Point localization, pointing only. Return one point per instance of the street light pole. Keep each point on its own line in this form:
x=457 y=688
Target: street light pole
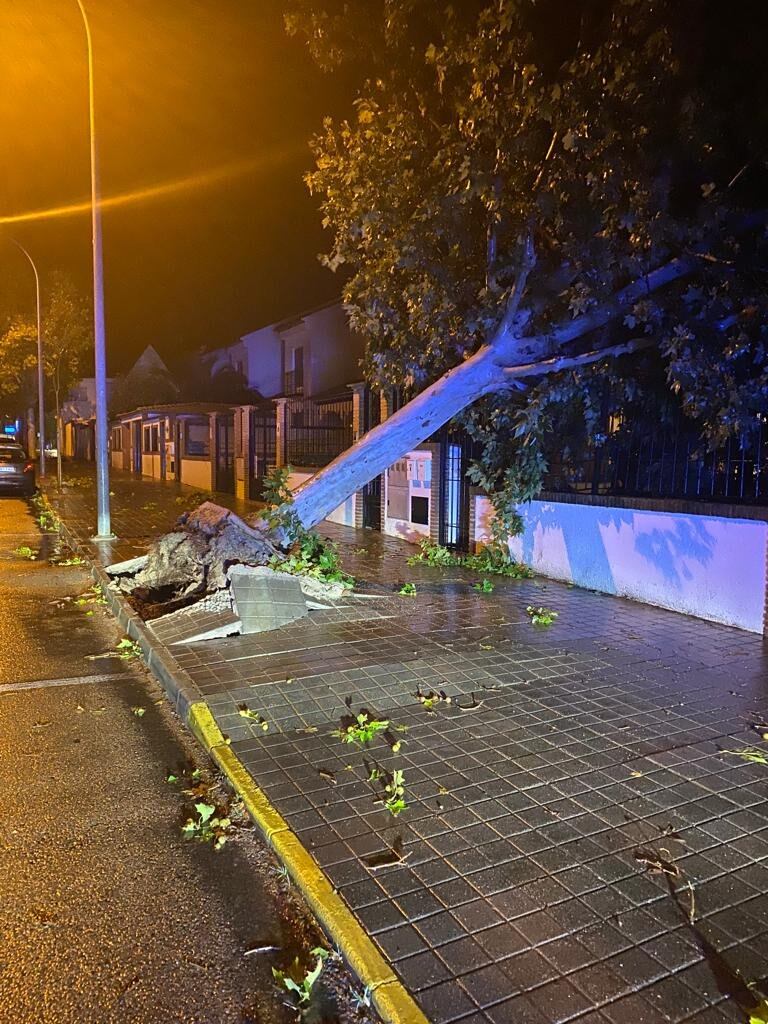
x=40 y=370
x=103 y=531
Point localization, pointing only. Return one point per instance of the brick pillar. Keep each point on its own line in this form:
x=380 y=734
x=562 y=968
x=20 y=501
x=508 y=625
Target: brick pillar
x=473 y=492
x=434 y=492
x=358 y=412
x=243 y=462
x=358 y=429
x=213 y=446
x=281 y=432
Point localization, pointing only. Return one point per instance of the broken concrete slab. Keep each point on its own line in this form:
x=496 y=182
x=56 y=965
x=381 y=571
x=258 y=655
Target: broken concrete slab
x=127 y=568
x=265 y=599
x=188 y=625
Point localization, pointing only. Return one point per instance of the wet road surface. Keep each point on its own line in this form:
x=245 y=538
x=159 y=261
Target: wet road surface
x=106 y=914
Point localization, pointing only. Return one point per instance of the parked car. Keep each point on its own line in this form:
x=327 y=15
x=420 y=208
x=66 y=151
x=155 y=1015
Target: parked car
x=17 y=471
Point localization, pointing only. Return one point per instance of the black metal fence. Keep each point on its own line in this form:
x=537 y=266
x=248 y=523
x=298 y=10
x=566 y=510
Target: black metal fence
x=317 y=431
x=671 y=462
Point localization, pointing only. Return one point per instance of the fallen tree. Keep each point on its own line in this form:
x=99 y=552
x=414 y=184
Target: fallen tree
x=540 y=211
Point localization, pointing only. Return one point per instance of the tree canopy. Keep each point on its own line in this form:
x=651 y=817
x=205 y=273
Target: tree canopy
x=585 y=173
x=67 y=344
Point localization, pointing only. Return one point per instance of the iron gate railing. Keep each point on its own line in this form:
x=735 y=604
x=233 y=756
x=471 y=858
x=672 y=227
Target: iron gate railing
x=370 y=418
x=668 y=463
x=263 y=446
x=317 y=431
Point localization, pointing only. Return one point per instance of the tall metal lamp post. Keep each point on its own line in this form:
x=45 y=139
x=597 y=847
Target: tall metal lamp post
x=103 y=531
x=40 y=370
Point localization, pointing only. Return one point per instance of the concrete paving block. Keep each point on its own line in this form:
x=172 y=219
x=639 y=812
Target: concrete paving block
x=265 y=599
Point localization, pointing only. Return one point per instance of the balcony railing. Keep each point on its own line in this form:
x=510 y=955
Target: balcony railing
x=293 y=382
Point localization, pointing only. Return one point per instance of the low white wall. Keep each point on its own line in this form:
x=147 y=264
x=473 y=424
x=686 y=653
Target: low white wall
x=410 y=477
x=713 y=567
x=405 y=529
x=115 y=458
x=196 y=473
x=150 y=465
x=344 y=515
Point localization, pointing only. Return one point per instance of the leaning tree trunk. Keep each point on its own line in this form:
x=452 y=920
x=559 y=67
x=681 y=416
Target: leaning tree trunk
x=508 y=355
x=400 y=433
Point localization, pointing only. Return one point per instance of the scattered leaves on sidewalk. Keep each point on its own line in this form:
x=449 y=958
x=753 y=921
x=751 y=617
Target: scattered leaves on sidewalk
x=207 y=827
x=253 y=716
x=751 y=754
x=360 y=729
x=387 y=858
x=541 y=616
x=407 y=590
x=138 y=710
x=484 y=586
x=128 y=649
x=66 y=561
x=395 y=790
x=24 y=551
x=431 y=699
x=301 y=984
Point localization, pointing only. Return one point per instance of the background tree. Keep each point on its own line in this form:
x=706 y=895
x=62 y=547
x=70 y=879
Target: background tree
x=67 y=347
x=18 y=362
x=529 y=195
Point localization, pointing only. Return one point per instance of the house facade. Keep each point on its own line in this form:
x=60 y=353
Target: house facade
x=657 y=519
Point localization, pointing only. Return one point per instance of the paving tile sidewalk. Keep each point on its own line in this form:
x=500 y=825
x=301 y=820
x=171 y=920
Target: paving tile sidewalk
x=568 y=761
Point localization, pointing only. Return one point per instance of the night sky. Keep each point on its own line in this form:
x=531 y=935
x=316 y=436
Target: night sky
x=185 y=88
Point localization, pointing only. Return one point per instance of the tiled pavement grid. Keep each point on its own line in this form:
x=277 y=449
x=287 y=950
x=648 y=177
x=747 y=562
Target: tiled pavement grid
x=568 y=760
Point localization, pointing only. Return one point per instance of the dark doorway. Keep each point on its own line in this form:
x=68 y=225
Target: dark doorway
x=136 y=446
x=225 y=453
x=371 y=417
x=372 y=504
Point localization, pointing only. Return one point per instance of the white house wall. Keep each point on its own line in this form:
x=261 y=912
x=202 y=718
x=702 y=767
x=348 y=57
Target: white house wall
x=344 y=515
x=409 y=477
x=710 y=566
x=259 y=354
x=263 y=361
x=334 y=350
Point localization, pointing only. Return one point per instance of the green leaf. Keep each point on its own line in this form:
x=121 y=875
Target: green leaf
x=205 y=811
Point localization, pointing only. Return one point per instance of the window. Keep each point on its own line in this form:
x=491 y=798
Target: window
x=151 y=438
x=298 y=366
x=197 y=441
x=117 y=439
x=420 y=511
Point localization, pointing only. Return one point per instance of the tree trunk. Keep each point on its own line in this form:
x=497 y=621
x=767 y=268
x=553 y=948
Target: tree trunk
x=59 y=474
x=406 y=429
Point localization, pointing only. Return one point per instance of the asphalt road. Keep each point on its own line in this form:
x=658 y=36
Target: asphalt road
x=106 y=913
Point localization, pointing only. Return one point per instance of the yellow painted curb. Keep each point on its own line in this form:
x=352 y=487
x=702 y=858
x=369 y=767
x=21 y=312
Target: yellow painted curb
x=392 y=1000
x=203 y=725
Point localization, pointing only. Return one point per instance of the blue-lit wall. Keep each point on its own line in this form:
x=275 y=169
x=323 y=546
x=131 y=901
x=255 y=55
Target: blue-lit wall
x=713 y=567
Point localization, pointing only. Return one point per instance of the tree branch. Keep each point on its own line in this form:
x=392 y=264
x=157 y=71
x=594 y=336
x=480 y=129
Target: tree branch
x=558 y=363
x=617 y=304
x=516 y=295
